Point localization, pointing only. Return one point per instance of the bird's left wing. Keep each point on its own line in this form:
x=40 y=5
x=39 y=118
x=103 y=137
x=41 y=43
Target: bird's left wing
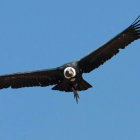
x=96 y=58
x=30 y=79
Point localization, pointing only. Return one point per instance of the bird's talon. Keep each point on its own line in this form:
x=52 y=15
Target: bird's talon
x=76 y=96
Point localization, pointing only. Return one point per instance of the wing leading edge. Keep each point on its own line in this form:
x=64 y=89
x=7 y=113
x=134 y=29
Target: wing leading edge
x=96 y=58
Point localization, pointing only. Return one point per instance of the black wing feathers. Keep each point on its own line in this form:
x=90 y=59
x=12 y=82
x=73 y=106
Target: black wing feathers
x=111 y=48
x=29 y=79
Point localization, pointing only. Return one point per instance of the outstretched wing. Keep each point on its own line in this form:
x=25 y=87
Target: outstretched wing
x=96 y=58
x=29 y=79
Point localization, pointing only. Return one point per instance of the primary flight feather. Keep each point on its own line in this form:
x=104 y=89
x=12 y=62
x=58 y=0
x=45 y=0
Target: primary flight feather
x=68 y=77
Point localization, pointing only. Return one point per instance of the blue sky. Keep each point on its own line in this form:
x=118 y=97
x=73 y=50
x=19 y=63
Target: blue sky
x=40 y=34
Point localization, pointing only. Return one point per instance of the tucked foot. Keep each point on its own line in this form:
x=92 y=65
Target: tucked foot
x=76 y=96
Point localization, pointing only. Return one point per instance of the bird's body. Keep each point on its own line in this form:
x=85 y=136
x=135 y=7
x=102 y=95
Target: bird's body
x=68 y=77
x=72 y=79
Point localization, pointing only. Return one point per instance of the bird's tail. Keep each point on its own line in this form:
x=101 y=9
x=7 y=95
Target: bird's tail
x=81 y=85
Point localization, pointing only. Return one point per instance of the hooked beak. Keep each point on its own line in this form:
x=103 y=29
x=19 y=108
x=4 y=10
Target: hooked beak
x=69 y=74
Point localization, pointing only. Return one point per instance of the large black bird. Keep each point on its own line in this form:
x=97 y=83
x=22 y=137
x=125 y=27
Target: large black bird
x=68 y=77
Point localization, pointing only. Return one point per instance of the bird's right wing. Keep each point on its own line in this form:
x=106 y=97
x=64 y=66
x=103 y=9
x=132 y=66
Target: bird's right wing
x=30 y=79
x=98 y=57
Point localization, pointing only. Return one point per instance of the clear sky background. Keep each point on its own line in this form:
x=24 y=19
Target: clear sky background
x=42 y=34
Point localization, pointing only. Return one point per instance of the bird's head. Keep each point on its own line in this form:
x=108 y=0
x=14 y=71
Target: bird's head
x=69 y=72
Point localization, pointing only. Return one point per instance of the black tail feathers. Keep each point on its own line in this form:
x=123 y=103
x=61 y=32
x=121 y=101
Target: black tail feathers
x=81 y=85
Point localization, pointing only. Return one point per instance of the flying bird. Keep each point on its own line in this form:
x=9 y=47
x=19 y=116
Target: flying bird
x=68 y=77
